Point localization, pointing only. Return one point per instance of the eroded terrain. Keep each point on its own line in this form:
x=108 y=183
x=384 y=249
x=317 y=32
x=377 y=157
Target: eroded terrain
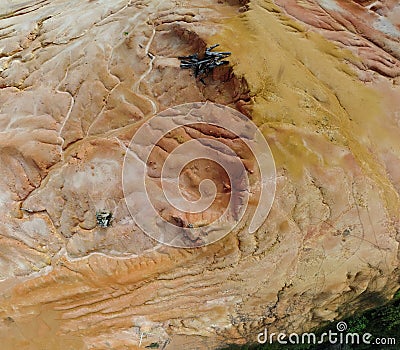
x=320 y=79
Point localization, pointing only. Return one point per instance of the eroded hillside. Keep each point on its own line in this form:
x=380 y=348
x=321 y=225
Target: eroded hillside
x=319 y=78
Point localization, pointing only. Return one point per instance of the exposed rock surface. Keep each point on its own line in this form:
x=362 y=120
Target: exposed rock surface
x=320 y=78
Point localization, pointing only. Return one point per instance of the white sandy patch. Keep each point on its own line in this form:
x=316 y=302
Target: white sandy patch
x=384 y=25
x=330 y=5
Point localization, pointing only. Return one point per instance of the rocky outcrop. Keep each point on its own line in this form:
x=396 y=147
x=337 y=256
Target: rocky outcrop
x=319 y=78
x=369 y=29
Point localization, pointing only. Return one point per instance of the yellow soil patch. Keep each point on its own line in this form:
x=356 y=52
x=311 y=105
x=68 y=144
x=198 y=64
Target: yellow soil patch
x=301 y=83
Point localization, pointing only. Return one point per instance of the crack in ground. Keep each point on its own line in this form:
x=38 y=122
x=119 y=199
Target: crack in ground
x=69 y=109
